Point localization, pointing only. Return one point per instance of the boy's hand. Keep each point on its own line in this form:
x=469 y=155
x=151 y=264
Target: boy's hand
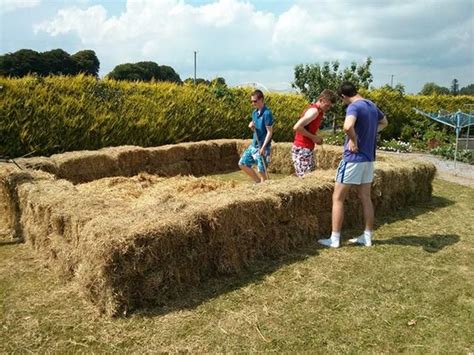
x=353 y=146
x=252 y=125
x=318 y=140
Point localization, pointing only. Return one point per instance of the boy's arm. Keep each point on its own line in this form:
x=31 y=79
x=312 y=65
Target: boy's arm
x=349 y=124
x=267 y=140
x=307 y=118
x=382 y=124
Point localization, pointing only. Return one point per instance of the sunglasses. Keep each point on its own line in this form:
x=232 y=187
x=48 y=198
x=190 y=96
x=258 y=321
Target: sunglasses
x=253 y=101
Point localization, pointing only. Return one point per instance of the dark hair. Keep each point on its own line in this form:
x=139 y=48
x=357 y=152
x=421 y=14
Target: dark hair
x=347 y=89
x=258 y=93
x=328 y=95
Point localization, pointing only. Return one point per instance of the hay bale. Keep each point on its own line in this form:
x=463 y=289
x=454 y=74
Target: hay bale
x=137 y=241
x=84 y=166
x=131 y=160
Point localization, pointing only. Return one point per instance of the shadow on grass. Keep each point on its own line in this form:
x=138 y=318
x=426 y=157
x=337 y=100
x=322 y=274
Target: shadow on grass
x=431 y=244
x=409 y=212
x=214 y=287
x=256 y=273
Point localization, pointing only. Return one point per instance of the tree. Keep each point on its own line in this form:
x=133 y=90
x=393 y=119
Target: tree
x=218 y=82
x=198 y=81
x=127 y=71
x=311 y=79
x=60 y=62
x=434 y=89
x=455 y=87
x=144 y=71
x=21 y=63
x=86 y=62
x=467 y=90
x=168 y=74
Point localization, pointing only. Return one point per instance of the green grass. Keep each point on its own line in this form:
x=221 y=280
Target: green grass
x=412 y=292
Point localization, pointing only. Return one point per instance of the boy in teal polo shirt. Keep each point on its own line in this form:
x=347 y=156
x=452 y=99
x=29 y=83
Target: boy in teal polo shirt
x=258 y=153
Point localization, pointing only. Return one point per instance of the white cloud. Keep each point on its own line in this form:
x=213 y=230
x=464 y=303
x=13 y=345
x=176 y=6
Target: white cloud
x=11 y=5
x=234 y=37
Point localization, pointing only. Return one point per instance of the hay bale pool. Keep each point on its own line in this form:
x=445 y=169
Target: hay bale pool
x=135 y=226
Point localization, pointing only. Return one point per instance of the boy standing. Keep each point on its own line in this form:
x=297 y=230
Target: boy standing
x=302 y=151
x=258 y=153
x=363 y=120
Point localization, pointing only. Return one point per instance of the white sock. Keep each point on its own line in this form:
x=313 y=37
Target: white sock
x=368 y=234
x=335 y=235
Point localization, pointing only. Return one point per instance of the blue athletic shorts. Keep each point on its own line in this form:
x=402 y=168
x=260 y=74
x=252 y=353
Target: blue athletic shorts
x=251 y=156
x=355 y=173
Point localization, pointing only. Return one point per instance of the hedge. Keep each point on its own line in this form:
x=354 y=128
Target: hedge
x=59 y=113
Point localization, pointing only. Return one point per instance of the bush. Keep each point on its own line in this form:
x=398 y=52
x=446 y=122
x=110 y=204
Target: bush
x=394 y=145
x=56 y=114
x=448 y=150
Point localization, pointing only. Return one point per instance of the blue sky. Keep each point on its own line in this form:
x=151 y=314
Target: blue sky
x=416 y=41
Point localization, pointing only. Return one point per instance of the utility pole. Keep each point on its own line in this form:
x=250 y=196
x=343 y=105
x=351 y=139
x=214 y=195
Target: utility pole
x=391 y=81
x=195 y=67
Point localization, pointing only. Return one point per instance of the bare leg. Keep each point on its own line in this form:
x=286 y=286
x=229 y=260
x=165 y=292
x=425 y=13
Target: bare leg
x=364 y=194
x=338 y=198
x=263 y=176
x=250 y=172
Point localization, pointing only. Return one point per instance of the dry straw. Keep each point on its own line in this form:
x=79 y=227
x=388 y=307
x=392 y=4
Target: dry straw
x=131 y=238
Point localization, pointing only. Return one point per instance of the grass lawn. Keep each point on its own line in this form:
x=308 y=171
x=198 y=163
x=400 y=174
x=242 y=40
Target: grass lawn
x=411 y=292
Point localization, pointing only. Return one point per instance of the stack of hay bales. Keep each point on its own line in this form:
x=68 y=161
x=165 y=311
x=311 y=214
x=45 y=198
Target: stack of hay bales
x=136 y=241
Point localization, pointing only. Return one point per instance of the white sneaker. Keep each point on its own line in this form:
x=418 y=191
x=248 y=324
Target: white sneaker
x=330 y=242
x=363 y=239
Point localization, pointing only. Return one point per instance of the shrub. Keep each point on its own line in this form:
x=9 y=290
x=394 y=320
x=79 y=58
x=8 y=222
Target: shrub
x=447 y=151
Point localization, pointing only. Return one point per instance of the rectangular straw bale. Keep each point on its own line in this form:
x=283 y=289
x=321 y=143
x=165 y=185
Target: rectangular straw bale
x=130 y=159
x=159 y=157
x=38 y=163
x=84 y=166
x=11 y=179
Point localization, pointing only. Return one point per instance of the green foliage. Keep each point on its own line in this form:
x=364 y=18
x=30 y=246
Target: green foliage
x=394 y=145
x=467 y=90
x=448 y=151
x=55 y=114
x=455 y=87
x=53 y=62
x=144 y=71
x=311 y=79
x=409 y=126
x=87 y=62
x=433 y=89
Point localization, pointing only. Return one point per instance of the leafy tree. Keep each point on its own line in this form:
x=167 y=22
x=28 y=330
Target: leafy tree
x=218 y=82
x=60 y=62
x=432 y=88
x=311 y=79
x=128 y=71
x=167 y=73
x=455 y=87
x=467 y=90
x=144 y=71
x=87 y=62
x=198 y=81
x=21 y=63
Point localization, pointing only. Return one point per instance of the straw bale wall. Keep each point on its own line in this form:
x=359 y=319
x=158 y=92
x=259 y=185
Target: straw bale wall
x=132 y=238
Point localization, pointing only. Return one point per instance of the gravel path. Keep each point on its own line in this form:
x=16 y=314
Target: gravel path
x=461 y=174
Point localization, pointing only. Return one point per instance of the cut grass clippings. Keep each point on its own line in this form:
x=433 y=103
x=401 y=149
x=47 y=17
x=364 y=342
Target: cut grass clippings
x=411 y=292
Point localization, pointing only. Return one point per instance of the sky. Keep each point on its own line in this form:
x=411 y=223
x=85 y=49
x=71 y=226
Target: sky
x=411 y=42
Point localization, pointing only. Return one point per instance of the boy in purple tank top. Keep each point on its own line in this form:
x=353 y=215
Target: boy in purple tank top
x=363 y=121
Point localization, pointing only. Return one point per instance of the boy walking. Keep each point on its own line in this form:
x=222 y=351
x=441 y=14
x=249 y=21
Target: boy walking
x=302 y=151
x=258 y=153
x=363 y=120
